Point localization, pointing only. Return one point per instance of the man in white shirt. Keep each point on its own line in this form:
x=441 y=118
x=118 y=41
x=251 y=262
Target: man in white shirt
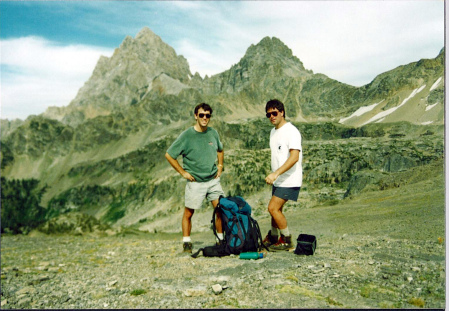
x=286 y=176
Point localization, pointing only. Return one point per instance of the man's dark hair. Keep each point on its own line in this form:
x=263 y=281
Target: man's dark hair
x=205 y=107
x=275 y=104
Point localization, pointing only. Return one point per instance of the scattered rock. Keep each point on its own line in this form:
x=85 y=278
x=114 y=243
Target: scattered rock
x=94 y=272
x=26 y=291
x=113 y=283
x=24 y=301
x=217 y=289
x=194 y=292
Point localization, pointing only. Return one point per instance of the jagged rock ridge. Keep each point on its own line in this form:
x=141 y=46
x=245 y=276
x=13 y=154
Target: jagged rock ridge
x=145 y=70
x=138 y=66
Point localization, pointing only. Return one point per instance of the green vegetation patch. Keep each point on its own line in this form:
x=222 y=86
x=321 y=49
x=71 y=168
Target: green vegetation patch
x=20 y=205
x=137 y=292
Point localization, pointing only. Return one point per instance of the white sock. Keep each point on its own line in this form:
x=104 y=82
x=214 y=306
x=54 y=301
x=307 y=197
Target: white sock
x=186 y=239
x=274 y=231
x=220 y=236
x=285 y=232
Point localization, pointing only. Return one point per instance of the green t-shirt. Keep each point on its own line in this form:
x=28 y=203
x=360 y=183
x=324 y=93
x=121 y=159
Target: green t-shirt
x=199 y=152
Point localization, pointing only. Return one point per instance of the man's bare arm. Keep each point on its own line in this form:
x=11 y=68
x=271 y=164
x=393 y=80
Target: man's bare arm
x=175 y=164
x=292 y=159
x=220 y=156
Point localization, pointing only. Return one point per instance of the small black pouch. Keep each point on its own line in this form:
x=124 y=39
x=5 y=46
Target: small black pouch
x=212 y=251
x=306 y=244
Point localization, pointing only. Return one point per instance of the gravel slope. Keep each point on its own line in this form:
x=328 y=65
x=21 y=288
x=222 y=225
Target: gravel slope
x=382 y=250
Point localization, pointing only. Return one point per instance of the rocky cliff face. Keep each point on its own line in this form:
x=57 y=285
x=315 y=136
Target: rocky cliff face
x=9 y=126
x=270 y=70
x=137 y=67
x=264 y=66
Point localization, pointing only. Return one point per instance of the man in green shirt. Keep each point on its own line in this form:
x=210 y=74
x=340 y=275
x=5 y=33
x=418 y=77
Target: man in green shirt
x=200 y=146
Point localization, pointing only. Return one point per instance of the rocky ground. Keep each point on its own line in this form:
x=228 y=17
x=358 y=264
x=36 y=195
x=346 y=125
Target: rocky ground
x=382 y=250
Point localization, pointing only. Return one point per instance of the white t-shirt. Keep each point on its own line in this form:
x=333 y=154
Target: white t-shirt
x=281 y=141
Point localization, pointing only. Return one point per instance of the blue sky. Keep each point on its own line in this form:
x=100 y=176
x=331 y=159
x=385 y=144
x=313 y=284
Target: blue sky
x=50 y=48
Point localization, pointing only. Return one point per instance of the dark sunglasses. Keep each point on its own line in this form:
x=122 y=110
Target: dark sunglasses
x=274 y=113
x=202 y=115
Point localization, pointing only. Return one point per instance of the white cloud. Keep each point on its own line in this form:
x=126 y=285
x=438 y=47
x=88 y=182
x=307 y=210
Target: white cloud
x=350 y=41
x=200 y=61
x=37 y=73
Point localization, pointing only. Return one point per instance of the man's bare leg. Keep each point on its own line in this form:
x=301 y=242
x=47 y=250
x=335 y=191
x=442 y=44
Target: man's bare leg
x=186 y=225
x=275 y=210
x=187 y=221
x=218 y=224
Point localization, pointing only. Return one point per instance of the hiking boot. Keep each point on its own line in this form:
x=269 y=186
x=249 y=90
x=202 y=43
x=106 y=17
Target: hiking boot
x=187 y=246
x=284 y=244
x=219 y=242
x=270 y=239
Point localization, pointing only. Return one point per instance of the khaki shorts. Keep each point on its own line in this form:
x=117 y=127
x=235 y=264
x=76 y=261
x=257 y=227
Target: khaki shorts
x=196 y=192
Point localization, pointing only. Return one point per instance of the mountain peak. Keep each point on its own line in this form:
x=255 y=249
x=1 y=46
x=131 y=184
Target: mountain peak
x=145 y=31
x=144 y=37
x=146 y=34
x=271 y=49
x=271 y=45
x=136 y=67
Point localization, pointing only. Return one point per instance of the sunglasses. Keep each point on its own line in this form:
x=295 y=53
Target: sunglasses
x=274 y=113
x=202 y=115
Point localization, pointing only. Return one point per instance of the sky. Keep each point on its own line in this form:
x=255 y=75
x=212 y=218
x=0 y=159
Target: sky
x=49 y=49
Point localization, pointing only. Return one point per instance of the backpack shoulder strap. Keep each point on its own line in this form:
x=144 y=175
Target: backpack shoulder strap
x=259 y=234
x=195 y=255
x=214 y=213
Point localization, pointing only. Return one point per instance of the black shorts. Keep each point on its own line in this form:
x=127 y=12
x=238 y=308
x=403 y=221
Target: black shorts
x=286 y=193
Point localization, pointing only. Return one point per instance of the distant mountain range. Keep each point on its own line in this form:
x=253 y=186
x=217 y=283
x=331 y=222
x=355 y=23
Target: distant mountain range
x=144 y=72
x=114 y=133
x=145 y=68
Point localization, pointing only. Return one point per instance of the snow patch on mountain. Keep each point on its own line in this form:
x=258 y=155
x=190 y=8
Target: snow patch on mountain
x=385 y=113
x=431 y=106
x=360 y=111
x=436 y=84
